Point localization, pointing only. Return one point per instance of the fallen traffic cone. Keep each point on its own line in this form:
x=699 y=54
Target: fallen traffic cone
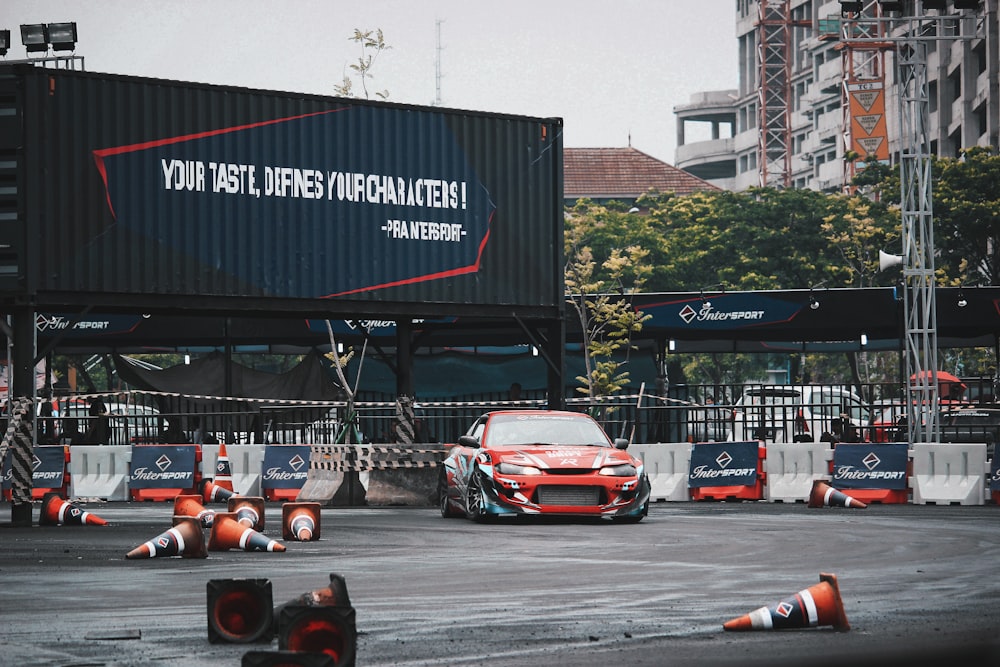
x=213 y=493
x=58 y=512
x=300 y=521
x=249 y=511
x=824 y=495
x=811 y=607
x=228 y=533
x=190 y=505
x=223 y=471
x=184 y=539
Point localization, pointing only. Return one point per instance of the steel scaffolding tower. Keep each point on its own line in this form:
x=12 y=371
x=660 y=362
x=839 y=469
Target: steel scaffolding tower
x=910 y=36
x=774 y=46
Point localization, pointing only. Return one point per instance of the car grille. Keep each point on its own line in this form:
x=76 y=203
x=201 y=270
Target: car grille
x=577 y=496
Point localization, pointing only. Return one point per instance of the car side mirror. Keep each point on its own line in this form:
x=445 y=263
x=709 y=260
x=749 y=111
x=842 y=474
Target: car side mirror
x=468 y=441
x=621 y=443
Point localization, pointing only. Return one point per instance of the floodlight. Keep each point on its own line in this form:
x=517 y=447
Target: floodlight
x=962 y=5
x=849 y=7
x=4 y=42
x=891 y=6
x=62 y=36
x=35 y=37
x=934 y=4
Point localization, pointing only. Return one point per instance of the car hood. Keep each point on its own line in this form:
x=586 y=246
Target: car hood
x=562 y=456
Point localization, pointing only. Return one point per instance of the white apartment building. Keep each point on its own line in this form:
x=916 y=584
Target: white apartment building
x=788 y=125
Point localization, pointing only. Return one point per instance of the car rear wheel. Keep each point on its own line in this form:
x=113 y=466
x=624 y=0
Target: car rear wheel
x=476 y=499
x=447 y=511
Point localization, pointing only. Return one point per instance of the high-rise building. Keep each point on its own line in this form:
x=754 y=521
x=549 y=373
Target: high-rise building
x=819 y=81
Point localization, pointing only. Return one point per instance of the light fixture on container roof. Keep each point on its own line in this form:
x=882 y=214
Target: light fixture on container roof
x=850 y=7
x=813 y=301
x=4 y=42
x=35 y=37
x=62 y=36
x=962 y=301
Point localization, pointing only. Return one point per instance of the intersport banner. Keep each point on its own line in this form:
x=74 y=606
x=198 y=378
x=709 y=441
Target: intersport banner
x=163 y=467
x=723 y=464
x=48 y=468
x=870 y=466
x=285 y=466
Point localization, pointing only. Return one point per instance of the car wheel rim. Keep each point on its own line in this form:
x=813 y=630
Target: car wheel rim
x=476 y=508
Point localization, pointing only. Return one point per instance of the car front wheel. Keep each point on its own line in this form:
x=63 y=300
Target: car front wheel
x=476 y=499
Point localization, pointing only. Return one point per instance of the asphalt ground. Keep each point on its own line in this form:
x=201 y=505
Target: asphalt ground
x=920 y=585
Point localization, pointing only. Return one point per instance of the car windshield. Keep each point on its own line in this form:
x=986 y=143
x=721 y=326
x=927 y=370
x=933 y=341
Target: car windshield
x=543 y=429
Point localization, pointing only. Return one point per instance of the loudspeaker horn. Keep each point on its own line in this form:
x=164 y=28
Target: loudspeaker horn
x=886 y=260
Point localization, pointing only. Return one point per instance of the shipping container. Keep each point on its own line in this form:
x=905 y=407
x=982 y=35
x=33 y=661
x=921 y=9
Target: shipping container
x=121 y=192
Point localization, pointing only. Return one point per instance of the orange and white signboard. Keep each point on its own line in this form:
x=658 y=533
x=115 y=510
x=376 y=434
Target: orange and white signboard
x=869 y=135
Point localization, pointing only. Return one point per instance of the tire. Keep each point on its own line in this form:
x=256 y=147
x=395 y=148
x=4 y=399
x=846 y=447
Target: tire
x=447 y=511
x=475 y=499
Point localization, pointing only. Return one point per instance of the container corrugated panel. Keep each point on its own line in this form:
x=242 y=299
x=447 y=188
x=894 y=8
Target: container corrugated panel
x=148 y=187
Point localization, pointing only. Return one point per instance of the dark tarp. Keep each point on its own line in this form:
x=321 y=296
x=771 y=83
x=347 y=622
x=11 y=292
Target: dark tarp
x=308 y=381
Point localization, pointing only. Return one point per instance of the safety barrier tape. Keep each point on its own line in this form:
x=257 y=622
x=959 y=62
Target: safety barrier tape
x=532 y=403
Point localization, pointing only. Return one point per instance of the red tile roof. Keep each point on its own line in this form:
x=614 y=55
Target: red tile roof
x=622 y=173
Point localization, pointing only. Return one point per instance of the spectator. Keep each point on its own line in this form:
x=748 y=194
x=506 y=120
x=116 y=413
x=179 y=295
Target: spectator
x=71 y=434
x=173 y=434
x=515 y=391
x=99 y=426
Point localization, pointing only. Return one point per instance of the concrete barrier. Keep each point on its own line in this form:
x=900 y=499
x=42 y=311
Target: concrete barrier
x=948 y=473
x=791 y=468
x=245 y=461
x=99 y=471
x=667 y=466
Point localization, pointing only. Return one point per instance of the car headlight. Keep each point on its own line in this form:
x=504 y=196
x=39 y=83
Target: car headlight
x=514 y=469
x=624 y=470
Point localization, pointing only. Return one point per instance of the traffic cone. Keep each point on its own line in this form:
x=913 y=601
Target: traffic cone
x=249 y=511
x=300 y=521
x=58 y=512
x=223 y=471
x=190 y=505
x=810 y=607
x=240 y=611
x=321 y=621
x=824 y=495
x=184 y=539
x=228 y=533
x=213 y=493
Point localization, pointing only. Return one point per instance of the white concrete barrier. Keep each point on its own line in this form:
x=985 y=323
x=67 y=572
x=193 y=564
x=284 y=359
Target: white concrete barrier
x=948 y=473
x=245 y=461
x=667 y=466
x=791 y=468
x=99 y=471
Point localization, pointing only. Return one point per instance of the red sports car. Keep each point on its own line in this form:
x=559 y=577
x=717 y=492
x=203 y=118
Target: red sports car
x=533 y=462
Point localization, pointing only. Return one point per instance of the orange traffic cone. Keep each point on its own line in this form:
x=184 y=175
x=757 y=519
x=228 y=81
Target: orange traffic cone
x=223 y=471
x=300 y=521
x=58 y=512
x=190 y=505
x=228 y=533
x=824 y=495
x=184 y=539
x=811 y=607
x=213 y=493
x=249 y=511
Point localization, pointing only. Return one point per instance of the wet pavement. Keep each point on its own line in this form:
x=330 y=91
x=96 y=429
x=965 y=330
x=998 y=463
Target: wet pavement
x=920 y=585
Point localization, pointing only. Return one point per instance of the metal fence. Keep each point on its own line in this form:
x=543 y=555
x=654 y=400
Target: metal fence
x=684 y=413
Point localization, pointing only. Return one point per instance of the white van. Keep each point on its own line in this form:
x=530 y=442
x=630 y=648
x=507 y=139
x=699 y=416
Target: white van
x=797 y=413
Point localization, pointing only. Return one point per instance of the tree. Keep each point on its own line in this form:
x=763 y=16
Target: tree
x=372 y=44
x=607 y=318
x=967 y=216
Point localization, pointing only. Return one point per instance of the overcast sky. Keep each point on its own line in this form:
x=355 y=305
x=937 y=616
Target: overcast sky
x=610 y=69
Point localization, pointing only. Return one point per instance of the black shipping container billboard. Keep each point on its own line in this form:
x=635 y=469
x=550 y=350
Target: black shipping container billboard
x=131 y=186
